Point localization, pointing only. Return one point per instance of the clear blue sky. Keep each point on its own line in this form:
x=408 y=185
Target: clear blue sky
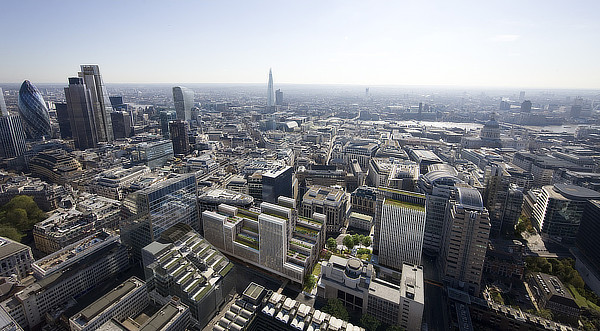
x=546 y=44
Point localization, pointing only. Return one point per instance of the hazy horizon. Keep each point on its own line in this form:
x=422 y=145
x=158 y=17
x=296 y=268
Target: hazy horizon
x=512 y=44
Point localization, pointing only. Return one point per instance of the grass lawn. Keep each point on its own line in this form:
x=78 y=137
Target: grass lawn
x=581 y=301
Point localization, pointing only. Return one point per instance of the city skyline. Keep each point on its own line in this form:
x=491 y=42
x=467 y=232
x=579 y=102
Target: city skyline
x=526 y=45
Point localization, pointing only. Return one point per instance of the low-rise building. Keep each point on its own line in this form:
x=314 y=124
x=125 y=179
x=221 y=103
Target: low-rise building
x=15 y=258
x=127 y=299
x=356 y=285
x=550 y=293
x=183 y=264
x=331 y=202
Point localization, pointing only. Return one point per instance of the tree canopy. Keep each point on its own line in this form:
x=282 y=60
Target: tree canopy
x=18 y=216
x=336 y=308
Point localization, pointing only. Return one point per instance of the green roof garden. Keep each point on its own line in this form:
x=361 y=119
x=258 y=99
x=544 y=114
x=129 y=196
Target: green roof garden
x=403 y=204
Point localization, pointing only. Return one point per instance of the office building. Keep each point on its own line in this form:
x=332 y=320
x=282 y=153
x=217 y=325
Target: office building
x=64 y=123
x=127 y=299
x=526 y=106
x=424 y=159
x=363 y=200
x=65 y=274
x=270 y=93
x=278 y=97
x=550 y=293
x=465 y=240
x=33 y=111
x=269 y=181
x=64 y=226
x=12 y=136
x=99 y=102
x=80 y=113
x=275 y=239
x=117 y=103
x=3 y=109
x=331 y=202
x=361 y=150
x=179 y=136
x=360 y=221
x=401 y=233
x=150 y=211
x=502 y=199
x=413 y=199
x=183 y=264
x=54 y=166
x=46 y=195
x=15 y=258
x=121 y=124
x=260 y=309
x=7 y=323
x=153 y=154
x=559 y=209
x=357 y=286
x=166 y=116
x=113 y=183
x=437 y=186
x=184 y=102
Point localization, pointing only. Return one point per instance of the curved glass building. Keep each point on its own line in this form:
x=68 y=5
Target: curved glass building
x=34 y=112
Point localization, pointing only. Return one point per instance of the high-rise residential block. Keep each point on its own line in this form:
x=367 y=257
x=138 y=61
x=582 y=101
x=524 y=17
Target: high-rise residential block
x=465 y=240
x=184 y=102
x=34 y=112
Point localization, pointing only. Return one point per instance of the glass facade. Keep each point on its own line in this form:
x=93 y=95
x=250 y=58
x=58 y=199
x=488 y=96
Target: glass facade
x=34 y=112
x=184 y=101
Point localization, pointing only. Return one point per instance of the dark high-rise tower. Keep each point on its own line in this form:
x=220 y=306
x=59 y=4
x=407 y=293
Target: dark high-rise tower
x=34 y=112
x=179 y=136
x=99 y=101
x=184 y=101
x=270 y=93
x=12 y=136
x=64 y=124
x=526 y=106
x=121 y=122
x=81 y=115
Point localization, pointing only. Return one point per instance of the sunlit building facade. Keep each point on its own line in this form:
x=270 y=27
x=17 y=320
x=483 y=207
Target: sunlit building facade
x=33 y=111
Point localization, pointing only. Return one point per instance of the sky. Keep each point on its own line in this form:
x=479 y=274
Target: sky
x=521 y=44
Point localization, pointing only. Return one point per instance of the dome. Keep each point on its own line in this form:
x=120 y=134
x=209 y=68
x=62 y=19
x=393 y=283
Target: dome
x=33 y=111
x=492 y=124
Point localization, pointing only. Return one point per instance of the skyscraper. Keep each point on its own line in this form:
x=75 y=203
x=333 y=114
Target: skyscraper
x=64 y=123
x=401 y=233
x=34 y=112
x=80 y=114
x=12 y=136
x=270 y=93
x=99 y=101
x=121 y=123
x=179 y=137
x=279 y=97
x=3 y=109
x=465 y=240
x=184 y=101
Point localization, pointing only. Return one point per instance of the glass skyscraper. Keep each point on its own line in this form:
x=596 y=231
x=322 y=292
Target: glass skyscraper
x=34 y=112
x=12 y=136
x=99 y=101
x=80 y=114
x=270 y=93
x=184 y=101
x=152 y=210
